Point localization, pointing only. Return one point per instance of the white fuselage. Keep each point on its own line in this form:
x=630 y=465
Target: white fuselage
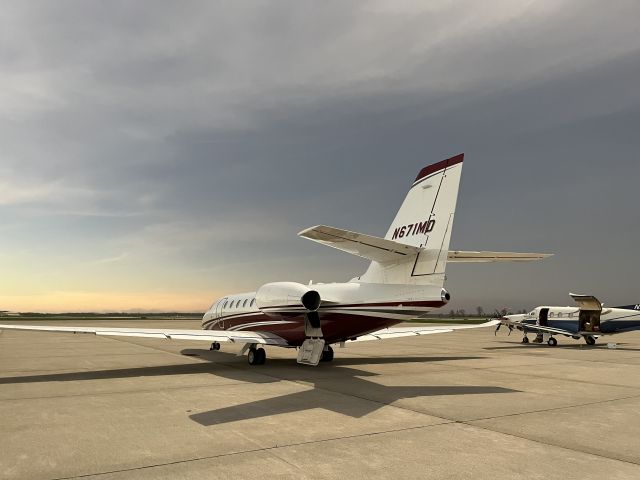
x=347 y=309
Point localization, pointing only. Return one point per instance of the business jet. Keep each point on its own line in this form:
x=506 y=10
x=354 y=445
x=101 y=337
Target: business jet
x=589 y=321
x=404 y=280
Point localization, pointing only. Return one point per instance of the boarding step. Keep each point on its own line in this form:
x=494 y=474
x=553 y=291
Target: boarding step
x=311 y=351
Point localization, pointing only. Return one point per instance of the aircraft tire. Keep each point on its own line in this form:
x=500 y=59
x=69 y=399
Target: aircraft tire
x=327 y=355
x=525 y=339
x=262 y=356
x=590 y=340
x=552 y=342
x=253 y=356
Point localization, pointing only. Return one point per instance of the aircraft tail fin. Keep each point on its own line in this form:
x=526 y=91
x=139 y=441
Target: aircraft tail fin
x=635 y=306
x=415 y=249
x=425 y=221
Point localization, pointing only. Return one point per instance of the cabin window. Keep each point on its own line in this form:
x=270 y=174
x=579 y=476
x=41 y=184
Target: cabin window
x=551 y=314
x=253 y=301
x=225 y=304
x=559 y=314
x=244 y=304
x=231 y=304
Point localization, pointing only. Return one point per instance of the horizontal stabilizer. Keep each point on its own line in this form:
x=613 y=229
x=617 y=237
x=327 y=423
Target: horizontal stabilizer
x=367 y=246
x=460 y=256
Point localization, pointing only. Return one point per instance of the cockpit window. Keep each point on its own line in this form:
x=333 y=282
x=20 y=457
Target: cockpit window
x=533 y=314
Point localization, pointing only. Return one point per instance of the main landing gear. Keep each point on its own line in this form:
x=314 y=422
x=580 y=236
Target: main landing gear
x=215 y=346
x=590 y=340
x=552 y=342
x=256 y=356
x=327 y=354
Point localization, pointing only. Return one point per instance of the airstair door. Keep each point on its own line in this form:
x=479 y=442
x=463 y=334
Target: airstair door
x=543 y=318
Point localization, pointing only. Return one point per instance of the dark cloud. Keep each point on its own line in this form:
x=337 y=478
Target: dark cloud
x=154 y=131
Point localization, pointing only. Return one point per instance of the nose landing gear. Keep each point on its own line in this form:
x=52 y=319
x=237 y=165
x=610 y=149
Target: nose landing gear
x=214 y=346
x=552 y=342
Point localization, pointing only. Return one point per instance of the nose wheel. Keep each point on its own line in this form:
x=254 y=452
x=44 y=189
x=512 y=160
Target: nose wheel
x=552 y=342
x=256 y=356
x=525 y=339
x=215 y=346
x=590 y=340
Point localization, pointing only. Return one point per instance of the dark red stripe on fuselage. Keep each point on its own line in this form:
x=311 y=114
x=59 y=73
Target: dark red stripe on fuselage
x=336 y=327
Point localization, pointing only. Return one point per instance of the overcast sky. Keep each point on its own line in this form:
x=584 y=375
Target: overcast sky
x=158 y=155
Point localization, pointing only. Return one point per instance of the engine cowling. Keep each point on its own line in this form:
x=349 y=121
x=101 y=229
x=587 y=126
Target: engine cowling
x=287 y=298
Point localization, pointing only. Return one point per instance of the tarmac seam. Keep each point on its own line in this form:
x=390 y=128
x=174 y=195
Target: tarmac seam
x=542 y=442
x=552 y=409
x=124 y=392
x=254 y=450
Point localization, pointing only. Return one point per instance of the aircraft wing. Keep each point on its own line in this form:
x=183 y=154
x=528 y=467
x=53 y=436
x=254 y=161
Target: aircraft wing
x=396 y=332
x=461 y=256
x=540 y=329
x=367 y=246
x=168 y=334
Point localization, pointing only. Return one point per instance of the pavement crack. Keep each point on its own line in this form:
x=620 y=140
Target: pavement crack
x=254 y=450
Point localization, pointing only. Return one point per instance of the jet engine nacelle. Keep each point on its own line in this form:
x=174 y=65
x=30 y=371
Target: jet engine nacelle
x=286 y=298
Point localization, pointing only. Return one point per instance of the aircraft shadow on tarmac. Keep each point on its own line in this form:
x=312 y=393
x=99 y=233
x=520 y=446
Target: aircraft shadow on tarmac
x=328 y=389
x=356 y=397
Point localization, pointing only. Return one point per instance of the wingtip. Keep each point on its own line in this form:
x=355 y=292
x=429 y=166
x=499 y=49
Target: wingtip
x=303 y=233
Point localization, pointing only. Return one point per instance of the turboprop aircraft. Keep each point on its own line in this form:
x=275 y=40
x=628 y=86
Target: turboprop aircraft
x=404 y=280
x=590 y=321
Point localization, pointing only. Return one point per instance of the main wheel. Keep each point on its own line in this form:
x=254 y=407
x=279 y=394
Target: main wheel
x=214 y=346
x=552 y=342
x=525 y=339
x=327 y=355
x=262 y=356
x=590 y=340
x=253 y=356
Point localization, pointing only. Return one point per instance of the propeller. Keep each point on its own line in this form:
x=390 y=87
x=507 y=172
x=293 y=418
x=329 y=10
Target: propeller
x=500 y=315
